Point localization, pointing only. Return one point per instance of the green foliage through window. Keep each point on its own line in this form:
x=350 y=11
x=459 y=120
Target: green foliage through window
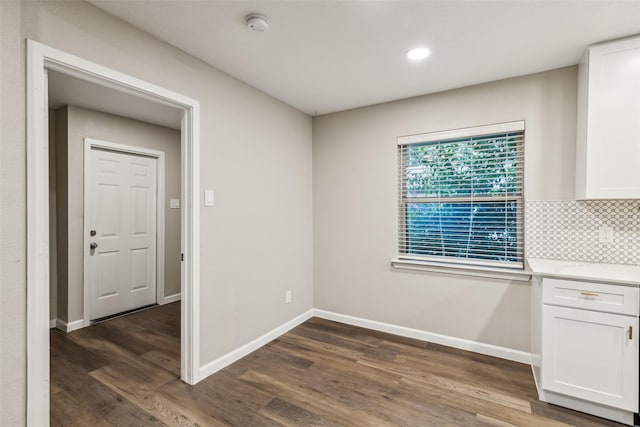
x=462 y=198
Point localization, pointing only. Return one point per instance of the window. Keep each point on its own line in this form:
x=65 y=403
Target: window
x=460 y=196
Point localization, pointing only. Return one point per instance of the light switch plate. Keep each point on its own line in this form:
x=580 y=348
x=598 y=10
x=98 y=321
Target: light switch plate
x=208 y=197
x=174 y=203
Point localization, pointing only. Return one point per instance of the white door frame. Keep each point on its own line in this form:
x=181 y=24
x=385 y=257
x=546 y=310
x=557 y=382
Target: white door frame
x=90 y=143
x=40 y=58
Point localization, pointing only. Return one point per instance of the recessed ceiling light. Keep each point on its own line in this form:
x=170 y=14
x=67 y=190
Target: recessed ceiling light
x=418 y=54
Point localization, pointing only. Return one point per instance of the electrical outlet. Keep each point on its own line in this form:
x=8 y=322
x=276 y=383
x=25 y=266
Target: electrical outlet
x=605 y=234
x=287 y=297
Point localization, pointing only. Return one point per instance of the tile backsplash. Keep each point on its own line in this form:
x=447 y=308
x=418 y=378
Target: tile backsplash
x=569 y=230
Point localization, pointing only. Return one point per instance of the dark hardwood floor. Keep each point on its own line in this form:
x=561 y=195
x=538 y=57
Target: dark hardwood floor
x=124 y=372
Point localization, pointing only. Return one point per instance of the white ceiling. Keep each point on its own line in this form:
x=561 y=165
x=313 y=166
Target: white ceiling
x=67 y=90
x=326 y=56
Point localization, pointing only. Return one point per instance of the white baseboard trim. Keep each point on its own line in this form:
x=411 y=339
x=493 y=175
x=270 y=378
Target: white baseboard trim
x=170 y=298
x=52 y=323
x=226 y=360
x=463 y=344
x=71 y=326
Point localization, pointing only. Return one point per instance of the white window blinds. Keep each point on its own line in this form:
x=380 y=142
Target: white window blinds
x=461 y=196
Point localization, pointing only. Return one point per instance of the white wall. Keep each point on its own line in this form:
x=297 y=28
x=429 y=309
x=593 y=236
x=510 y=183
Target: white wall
x=77 y=124
x=12 y=218
x=355 y=205
x=255 y=153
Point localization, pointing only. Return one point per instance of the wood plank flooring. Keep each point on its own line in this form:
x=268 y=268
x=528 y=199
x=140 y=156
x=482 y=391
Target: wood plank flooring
x=124 y=372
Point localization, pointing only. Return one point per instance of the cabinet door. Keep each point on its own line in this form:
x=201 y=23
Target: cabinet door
x=614 y=121
x=591 y=356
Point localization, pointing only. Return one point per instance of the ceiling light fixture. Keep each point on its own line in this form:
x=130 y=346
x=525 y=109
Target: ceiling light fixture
x=256 y=22
x=418 y=54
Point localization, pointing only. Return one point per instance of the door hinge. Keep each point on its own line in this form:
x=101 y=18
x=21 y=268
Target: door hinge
x=181 y=257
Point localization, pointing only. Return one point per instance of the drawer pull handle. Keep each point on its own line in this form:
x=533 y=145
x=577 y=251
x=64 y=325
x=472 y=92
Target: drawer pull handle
x=589 y=294
x=630 y=332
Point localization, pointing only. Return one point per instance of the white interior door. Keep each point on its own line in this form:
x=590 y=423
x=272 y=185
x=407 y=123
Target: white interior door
x=122 y=202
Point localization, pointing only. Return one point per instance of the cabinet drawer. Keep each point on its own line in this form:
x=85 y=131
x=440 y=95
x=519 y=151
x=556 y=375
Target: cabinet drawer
x=591 y=296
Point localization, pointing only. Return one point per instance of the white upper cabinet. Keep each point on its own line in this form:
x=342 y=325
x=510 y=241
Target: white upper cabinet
x=608 y=150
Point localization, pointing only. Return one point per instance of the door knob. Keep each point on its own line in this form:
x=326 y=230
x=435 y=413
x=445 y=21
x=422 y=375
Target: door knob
x=93 y=245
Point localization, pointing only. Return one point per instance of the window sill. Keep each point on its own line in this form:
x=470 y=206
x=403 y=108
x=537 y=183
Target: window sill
x=462 y=270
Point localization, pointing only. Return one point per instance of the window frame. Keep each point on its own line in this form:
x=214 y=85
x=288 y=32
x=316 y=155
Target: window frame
x=439 y=262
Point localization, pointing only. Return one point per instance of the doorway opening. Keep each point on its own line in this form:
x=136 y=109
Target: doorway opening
x=40 y=60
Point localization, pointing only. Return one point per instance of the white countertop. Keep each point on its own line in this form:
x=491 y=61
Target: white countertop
x=615 y=273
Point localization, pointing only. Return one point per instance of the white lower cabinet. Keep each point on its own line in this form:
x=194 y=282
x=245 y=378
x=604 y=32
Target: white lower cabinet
x=585 y=337
x=590 y=355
